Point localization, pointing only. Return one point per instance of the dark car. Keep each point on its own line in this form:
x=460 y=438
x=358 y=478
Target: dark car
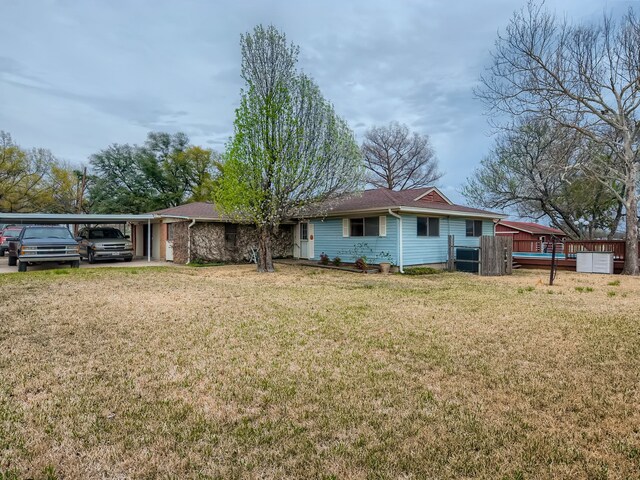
x=9 y=234
x=104 y=243
x=44 y=244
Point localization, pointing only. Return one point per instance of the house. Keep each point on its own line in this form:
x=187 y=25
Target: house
x=529 y=237
x=408 y=227
x=197 y=231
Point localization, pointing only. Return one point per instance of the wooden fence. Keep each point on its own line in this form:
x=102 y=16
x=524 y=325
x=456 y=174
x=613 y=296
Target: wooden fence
x=495 y=255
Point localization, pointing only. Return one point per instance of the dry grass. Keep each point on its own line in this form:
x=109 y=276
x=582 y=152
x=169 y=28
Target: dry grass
x=224 y=373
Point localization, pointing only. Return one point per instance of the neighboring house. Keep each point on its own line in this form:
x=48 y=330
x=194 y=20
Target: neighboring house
x=408 y=227
x=197 y=231
x=523 y=232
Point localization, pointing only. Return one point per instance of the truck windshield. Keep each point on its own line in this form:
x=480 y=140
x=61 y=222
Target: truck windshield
x=105 y=233
x=48 y=232
x=13 y=233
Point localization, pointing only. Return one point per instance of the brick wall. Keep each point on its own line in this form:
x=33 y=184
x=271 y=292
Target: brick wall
x=208 y=243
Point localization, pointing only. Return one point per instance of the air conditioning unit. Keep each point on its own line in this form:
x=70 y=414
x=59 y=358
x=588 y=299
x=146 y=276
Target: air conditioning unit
x=594 y=262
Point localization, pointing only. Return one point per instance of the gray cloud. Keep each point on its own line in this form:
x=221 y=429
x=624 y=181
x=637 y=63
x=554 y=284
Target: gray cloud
x=76 y=76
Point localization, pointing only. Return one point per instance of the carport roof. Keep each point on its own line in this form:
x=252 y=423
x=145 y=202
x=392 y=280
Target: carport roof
x=71 y=218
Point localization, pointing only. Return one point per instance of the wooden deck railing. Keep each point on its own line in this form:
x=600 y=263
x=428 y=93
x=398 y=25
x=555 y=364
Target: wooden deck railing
x=616 y=246
x=570 y=248
x=535 y=246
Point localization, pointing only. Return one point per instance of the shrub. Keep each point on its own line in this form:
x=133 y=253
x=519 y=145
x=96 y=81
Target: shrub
x=421 y=271
x=361 y=264
x=337 y=261
x=324 y=259
x=584 y=289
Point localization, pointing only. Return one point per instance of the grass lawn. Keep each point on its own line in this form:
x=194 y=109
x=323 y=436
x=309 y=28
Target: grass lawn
x=224 y=373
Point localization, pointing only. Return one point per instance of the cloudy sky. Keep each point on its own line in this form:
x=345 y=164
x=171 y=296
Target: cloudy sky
x=76 y=76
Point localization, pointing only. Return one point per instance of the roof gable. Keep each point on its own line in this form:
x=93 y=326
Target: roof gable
x=433 y=195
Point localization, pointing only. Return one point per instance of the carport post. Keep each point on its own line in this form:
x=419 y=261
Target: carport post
x=148 y=240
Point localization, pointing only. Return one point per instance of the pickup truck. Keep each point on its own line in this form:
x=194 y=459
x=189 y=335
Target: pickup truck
x=8 y=234
x=44 y=244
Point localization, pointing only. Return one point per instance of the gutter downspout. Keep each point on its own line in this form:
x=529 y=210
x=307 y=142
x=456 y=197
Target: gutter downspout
x=400 y=246
x=193 y=222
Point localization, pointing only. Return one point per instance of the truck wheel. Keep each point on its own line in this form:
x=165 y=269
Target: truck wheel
x=13 y=261
x=90 y=256
x=75 y=264
x=1 y=252
x=22 y=267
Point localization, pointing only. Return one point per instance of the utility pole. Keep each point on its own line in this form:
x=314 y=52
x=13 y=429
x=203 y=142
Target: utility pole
x=81 y=189
x=552 y=273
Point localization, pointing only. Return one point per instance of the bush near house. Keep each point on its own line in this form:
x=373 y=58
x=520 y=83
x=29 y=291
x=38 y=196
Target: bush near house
x=422 y=271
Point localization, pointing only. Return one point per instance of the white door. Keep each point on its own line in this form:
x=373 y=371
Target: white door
x=169 y=249
x=304 y=240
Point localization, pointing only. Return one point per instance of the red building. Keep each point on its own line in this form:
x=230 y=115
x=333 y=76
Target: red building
x=529 y=237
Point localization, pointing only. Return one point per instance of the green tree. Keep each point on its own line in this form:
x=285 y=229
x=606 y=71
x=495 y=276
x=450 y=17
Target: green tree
x=60 y=191
x=24 y=176
x=36 y=181
x=290 y=153
x=164 y=172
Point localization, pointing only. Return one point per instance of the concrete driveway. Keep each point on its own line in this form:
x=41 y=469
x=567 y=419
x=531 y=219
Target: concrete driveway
x=5 y=268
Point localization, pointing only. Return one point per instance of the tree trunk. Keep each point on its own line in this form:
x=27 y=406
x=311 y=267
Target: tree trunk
x=631 y=237
x=265 y=254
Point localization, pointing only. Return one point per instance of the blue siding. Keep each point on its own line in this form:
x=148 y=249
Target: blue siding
x=417 y=250
x=328 y=239
x=421 y=250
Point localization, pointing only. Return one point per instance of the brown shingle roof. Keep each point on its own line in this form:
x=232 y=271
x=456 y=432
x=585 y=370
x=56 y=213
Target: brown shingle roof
x=203 y=210
x=533 y=228
x=379 y=198
x=383 y=198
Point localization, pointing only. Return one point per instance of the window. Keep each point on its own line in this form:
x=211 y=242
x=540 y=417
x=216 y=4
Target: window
x=357 y=227
x=169 y=232
x=100 y=233
x=304 y=231
x=60 y=233
x=365 y=227
x=474 y=228
x=230 y=234
x=428 y=227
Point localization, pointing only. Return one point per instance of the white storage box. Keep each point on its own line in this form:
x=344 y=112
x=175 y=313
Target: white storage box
x=594 y=262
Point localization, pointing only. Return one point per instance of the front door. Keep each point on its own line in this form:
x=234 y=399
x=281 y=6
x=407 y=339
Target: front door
x=169 y=249
x=304 y=240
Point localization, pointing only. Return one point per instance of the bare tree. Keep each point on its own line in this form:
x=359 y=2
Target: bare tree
x=582 y=77
x=532 y=170
x=398 y=159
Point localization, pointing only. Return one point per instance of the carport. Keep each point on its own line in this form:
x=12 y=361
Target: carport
x=79 y=219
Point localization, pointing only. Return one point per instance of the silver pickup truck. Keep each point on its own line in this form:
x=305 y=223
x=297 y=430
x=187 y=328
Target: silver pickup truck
x=44 y=244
